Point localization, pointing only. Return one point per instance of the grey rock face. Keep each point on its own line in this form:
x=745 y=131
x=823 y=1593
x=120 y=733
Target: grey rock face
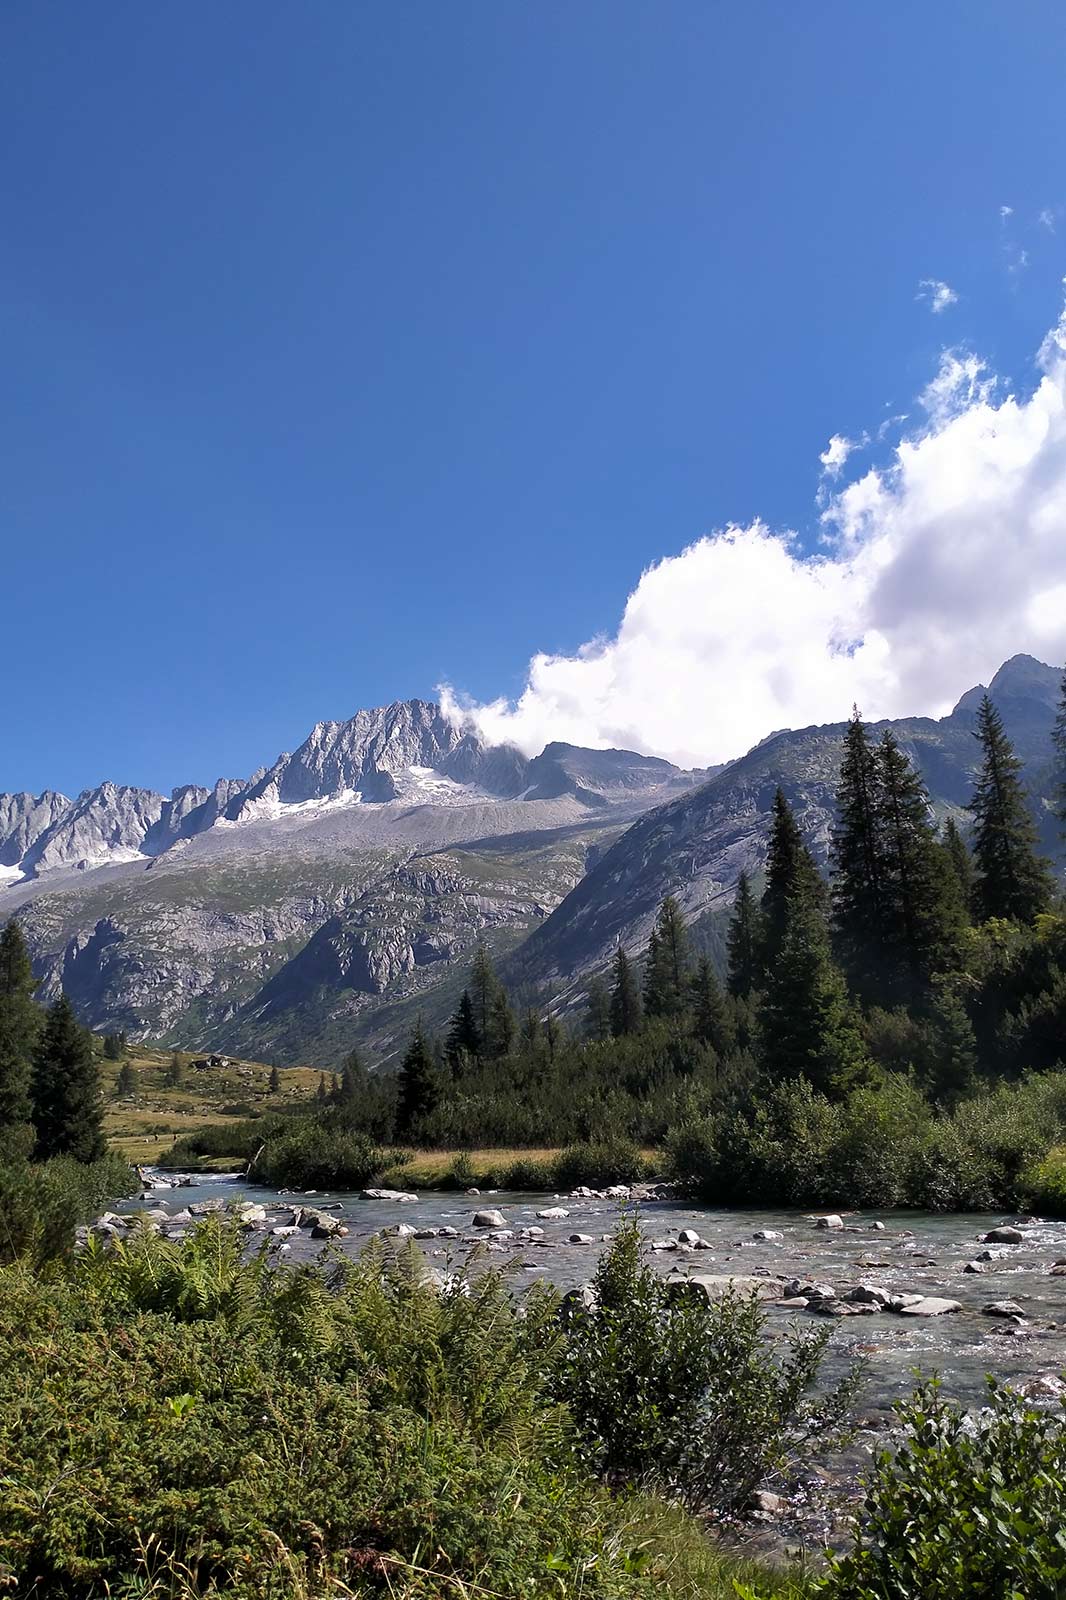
x=23 y=819
x=101 y=824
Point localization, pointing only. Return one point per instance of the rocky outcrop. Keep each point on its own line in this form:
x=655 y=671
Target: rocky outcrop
x=24 y=818
x=105 y=824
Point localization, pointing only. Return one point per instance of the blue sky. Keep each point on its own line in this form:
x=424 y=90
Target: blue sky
x=350 y=349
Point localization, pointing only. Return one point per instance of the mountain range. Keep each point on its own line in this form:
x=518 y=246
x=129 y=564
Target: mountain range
x=329 y=898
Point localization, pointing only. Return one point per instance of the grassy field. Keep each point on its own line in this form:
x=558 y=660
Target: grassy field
x=144 y=1123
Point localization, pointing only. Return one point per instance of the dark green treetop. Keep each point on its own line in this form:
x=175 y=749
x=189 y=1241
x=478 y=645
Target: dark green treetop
x=625 y=997
x=666 y=973
x=744 y=941
x=1010 y=879
x=66 y=1088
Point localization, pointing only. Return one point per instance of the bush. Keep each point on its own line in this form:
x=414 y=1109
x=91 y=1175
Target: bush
x=967 y=1507
x=671 y=1391
x=42 y=1204
x=598 y=1163
x=307 y=1154
x=1044 y=1185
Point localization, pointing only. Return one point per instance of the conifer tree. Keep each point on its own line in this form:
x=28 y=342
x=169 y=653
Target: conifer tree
x=791 y=875
x=502 y=1026
x=806 y=1024
x=484 y=987
x=597 y=1009
x=418 y=1084
x=126 y=1082
x=744 y=941
x=960 y=862
x=19 y=1028
x=625 y=998
x=354 y=1078
x=954 y=1069
x=274 y=1081
x=175 y=1072
x=709 y=1017
x=1010 y=879
x=919 y=924
x=857 y=866
x=66 y=1088
x=666 y=973
x=322 y=1093
x=463 y=1042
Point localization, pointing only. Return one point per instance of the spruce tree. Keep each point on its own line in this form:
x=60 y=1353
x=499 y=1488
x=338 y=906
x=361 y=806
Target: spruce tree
x=66 y=1088
x=418 y=1085
x=857 y=890
x=1010 y=879
x=744 y=941
x=484 y=987
x=597 y=1009
x=322 y=1093
x=463 y=1042
x=954 y=1068
x=960 y=862
x=175 y=1071
x=126 y=1082
x=666 y=972
x=919 y=924
x=502 y=1026
x=274 y=1081
x=791 y=874
x=806 y=1024
x=709 y=1016
x=625 y=997
x=19 y=1028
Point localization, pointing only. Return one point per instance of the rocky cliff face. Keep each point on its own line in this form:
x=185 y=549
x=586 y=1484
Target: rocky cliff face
x=23 y=819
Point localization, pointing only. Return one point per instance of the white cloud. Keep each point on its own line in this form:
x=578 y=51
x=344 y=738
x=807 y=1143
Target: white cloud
x=938 y=567
x=939 y=295
x=836 y=453
x=1005 y=212
x=1047 y=217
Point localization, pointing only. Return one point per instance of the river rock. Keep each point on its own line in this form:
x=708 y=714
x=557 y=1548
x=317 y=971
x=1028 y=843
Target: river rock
x=553 y=1214
x=900 y=1302
x=447 y=1232
x=580 y=1238
x=1045 y=1386
x=1003 y=1308
x=713 y=1285
x=868 y=1294
x=284 y=1230
x=832 y=1221
x=688 y=1236
x=403 y=1230
x=763 y=1504
x=843 y=1308
x=489 y=1219
x=767 y=1236
x=930 y=1306
x=1003 y=1236
x=878 y=1227
x=973 y=1266
x=398 y=1195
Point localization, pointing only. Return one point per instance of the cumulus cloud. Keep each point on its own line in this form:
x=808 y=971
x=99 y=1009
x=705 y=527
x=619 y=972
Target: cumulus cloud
x=1005 y=212
x=939 y=295
x=1047 y=217
x=836 y=453
x=935 y=567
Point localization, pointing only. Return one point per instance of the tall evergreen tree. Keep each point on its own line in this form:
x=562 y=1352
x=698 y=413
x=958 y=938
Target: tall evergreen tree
x=502 y=1026
x=66 y=1088
x=744 y=941
x=806 y=1024
x=483 y=988
x=919 y=923
x=274 y=1081
x=625 y=997
x=126 y=1082
x=857 y=888
x=175 y=1071
x=597 y=1009
x=19 y=1028
x=463 y=1043
x=960 y=862
x=418 y=1084
x=709 y=1016
x=791 y=874
x=666 y=973
x=954 y=1067
x=1011 y=879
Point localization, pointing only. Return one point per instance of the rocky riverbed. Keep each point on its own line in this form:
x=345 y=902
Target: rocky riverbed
x=961 y=1295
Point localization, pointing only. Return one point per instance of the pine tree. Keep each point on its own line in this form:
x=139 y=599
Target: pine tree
x=960 y=862
x=597 y=1009
x=19 y=1028
x=322 y=1093
x=66 y=1088
x=334 y=1088
x=857 y=867
x=806 y=1024
x=1011 y=880
x=484 y=987
x=274 y=1081
x=418 y=1084
x=954 y=1070
x=114 y=1046
x=791 y=874
x=1058 y=736
x=463 y=1043
x=175 y=1071
x=126 y=1082
x=709 y=1017
x=743 y=941
x=666 y=972
x=920 y=919
x=625 y=998
x=502 y=1026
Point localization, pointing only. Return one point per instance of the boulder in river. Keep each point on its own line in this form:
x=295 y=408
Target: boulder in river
x=1003 y=1308
x=688 y=1236
x=832 y=1221
x=399 y=1195
x=489 y=1219
x=580 y=1238
x=868 y=1294
x=553 y=1214
x=713 y=1285
x=767 y=1235
x=930 y=1305
x=1003 y=1236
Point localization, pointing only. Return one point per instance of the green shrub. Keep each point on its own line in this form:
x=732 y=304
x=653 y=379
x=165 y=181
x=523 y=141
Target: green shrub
x=671 y=1391
x=1044 y=1184
x=306 y=1153
x=41 y=1204
x=237 y=1141
x=968 y=1507
x=598 y=1163
x=460 y=1173
x=527 y=1174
